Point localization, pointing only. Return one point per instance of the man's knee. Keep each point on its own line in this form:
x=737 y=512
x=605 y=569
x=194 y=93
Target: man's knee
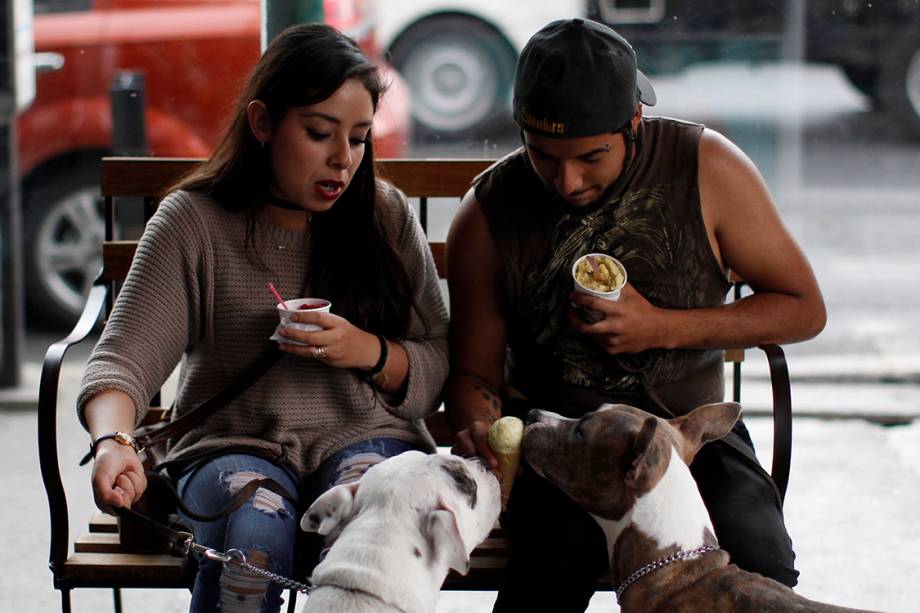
x=745 y=513
x=766 y=550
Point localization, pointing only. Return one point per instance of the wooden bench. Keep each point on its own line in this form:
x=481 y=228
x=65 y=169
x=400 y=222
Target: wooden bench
x=97 y=559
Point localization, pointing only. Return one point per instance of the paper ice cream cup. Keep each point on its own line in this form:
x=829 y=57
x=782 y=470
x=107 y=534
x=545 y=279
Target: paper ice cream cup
x=599 y=258
x=302 y=305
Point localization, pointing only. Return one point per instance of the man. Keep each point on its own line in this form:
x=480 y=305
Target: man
x=679 y=205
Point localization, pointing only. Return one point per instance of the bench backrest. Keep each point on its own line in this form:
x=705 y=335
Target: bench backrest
x=147 y=178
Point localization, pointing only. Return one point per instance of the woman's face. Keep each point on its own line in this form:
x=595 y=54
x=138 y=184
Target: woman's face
x=316 y=149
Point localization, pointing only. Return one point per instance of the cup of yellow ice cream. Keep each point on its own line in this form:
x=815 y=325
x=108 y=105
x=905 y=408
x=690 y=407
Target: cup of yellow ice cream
x=599 y=275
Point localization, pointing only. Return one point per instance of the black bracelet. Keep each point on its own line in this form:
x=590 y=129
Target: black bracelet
x=382 y=362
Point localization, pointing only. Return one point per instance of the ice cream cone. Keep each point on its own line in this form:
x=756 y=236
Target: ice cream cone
x=505 y=438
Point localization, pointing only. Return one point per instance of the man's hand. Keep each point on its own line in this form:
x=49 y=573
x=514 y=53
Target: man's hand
x=118 y=476
x=630 y=324
x=474 y=441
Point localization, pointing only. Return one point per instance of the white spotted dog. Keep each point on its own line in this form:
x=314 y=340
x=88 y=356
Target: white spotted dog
x=402 y=527
x=629 y=470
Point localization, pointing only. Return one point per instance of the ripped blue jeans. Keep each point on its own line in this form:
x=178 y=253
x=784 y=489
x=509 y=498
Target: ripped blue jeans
x=266 y=527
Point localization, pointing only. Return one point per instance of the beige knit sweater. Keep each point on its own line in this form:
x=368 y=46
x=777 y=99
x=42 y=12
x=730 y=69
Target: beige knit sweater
x=195 y=294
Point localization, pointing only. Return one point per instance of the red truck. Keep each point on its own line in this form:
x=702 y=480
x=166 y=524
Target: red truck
x=195 y=56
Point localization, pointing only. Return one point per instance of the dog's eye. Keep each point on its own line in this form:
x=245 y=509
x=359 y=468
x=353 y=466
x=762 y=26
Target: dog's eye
x=579 y=433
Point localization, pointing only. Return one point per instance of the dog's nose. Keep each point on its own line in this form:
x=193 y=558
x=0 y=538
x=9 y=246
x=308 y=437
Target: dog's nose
x=533 y=415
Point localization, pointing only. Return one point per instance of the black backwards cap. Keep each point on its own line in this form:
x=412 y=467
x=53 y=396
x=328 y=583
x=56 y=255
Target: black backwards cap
x=578 y=77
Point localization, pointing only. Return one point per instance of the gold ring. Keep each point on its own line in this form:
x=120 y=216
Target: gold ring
x=320 y=353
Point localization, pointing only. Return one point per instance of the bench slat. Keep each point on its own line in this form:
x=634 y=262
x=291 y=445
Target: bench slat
x=97 y=542
x=133 y=177
x=140 y=177
x=103 y=522
x=125 y=570
x=144 y=570
x=496 y=545
x=451 y=181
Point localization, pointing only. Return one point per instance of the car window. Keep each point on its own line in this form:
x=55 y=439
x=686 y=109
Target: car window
x=60 y=6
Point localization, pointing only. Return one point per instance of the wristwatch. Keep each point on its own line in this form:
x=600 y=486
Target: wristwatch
x=122 y=438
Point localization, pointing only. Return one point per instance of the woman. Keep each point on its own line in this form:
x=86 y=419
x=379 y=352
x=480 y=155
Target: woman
x=289 y=197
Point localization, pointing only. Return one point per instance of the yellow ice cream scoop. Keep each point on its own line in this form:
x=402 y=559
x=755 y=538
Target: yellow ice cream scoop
x=505 y=438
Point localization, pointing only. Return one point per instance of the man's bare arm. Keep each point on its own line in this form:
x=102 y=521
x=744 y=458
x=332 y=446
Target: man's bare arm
x=477 y=330
x=748 y=237
x=752 y=241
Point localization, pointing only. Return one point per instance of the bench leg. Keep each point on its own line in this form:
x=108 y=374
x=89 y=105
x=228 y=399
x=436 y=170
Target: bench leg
x=65 y=600
x=116 y=599
x=292 y=600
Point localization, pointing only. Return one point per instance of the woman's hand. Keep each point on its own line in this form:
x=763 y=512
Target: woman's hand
x=629 y=325
x=338 y=344
x=118 y=476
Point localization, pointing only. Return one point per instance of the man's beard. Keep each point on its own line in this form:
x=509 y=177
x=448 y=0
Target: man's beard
x=557 y=198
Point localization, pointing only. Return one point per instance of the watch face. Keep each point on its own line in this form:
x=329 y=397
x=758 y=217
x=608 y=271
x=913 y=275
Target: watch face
x=124 y=438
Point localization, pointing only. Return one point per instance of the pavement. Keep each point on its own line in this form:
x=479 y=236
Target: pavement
x=850 y=508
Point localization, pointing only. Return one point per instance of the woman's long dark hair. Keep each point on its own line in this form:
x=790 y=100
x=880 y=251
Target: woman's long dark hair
x=354 y=263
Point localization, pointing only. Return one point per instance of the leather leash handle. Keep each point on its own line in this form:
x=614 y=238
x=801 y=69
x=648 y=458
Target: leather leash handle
x=176 y=539
x=244 y=494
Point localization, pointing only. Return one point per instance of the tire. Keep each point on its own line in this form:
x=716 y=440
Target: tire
x=64 y=228
x=460 y=72
x=900 y=81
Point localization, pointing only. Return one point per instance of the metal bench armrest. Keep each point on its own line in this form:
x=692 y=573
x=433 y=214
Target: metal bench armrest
x=782 y=416
x=47 y=423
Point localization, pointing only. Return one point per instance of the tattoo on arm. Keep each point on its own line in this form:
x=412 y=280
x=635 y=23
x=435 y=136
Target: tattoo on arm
x=489 y=395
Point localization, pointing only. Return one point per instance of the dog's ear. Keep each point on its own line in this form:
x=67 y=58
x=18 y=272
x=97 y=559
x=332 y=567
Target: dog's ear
x=644 y=455
x=704 y=424
x=332 y=510
x=443 y=535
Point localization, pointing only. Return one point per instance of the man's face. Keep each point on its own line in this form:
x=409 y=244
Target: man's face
x=579 y=169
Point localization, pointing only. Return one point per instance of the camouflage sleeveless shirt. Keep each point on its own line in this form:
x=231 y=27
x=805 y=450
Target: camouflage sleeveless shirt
x=651 y=220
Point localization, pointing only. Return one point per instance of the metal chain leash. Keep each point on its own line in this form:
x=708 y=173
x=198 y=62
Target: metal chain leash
x=235 y=557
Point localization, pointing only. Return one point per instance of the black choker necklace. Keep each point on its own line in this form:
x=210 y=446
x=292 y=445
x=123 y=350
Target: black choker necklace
x=281 y=203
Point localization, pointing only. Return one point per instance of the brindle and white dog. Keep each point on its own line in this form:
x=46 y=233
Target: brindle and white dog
x=400 y=528
x=629 y=470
